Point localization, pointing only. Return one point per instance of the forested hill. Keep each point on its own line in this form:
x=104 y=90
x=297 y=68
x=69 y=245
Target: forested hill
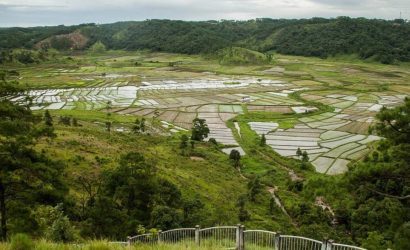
x=385 y=41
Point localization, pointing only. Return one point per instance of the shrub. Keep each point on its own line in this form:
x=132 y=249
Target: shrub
x=21 y=242
x=213 y=141
x=98 y=47
x=402 y=237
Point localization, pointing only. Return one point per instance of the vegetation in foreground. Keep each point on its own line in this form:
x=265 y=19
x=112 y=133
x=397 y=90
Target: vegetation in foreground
x=103 y=246
x=24 y=242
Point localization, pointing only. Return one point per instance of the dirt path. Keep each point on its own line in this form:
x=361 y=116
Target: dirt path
x=278 y=203
x=320 y=201
x=238 y=128
x=240 y=174
x=272 y=191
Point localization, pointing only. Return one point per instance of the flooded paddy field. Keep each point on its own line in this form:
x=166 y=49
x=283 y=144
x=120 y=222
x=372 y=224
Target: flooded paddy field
x=331 y=113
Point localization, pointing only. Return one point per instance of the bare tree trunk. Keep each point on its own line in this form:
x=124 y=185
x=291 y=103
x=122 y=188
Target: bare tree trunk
x=389 y=195
x=3 y=212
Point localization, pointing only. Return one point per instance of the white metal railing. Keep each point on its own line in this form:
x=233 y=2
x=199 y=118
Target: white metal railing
x=336 y=246
x=143 y=239
x=260 y=239
x=178 y=235
x=236 y=237
x=219 y=237
x=290 y=242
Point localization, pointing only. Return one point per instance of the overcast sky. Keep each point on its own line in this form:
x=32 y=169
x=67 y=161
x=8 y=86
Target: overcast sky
x=54 y=12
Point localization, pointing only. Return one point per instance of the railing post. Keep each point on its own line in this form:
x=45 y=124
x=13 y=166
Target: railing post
x=128 y=241
x=197 y=235
x=324 y=244
x=277 y=241
x=329 y=245
x=159 y=236
x=238 y=236
x=242 y=237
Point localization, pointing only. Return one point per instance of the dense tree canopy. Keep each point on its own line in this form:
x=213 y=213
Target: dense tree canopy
x=385 y=41
x=27 y=177
x=133 y=194
x=381 y=184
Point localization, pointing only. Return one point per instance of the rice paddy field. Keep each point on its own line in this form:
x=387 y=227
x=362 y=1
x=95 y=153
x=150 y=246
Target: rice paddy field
x=323 y=107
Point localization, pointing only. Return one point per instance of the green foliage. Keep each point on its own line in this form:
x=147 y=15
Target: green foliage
x=299 y=152
x=254 y=188
x=193 y=210
x=272 y=205
x=60 y=228
x=21 y=242
x=61 y=43
x=100 y=212
x=402 y=237
x=108 y=125
x=263 y=141
x=394 y=124
x=240 y=56
x=379 y=39
x=28 y=37
x=308 y=216
x=166 y=217
x=23 y=56
x=48 y=119
x=75 y=122
x=130 y=195
x=382 y=40
x=375 y=241
x=199 y=130
x=213 y=141
x=305 y=157
x=235 y=157
x=100 y=246
x=65 y=120
x=28 y=177
x=98 y=47
x=243 y=214
x=383 y=216
x=184 y=142
x=139 y=126
x=381 y=182
x=133 y=178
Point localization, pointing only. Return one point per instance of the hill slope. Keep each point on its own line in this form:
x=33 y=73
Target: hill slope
x=385 y=41
x=237 y=55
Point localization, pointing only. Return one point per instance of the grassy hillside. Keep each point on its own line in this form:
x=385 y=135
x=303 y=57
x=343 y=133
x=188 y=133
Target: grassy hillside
x=241 y=56
x=205 y=173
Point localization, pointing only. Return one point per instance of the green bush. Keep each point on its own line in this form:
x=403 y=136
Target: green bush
x=402 y=237
x=98 y=47
x=21 y=242
x=241 y=56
